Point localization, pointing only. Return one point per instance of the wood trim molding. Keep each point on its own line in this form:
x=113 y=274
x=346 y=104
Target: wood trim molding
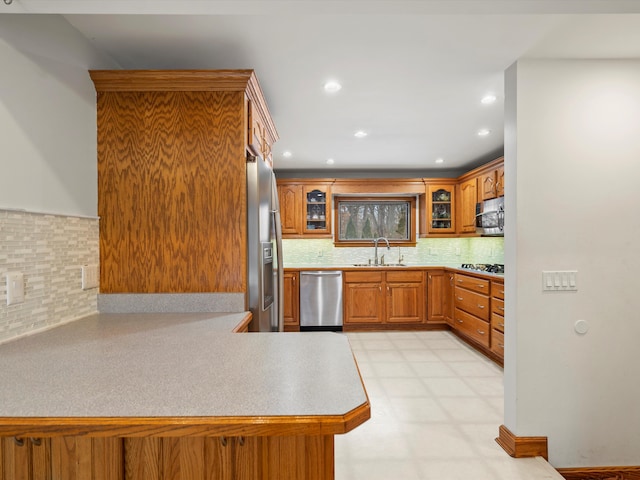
x=172 y=80
x=184 y=426
x=519 y=447
x=601 y=473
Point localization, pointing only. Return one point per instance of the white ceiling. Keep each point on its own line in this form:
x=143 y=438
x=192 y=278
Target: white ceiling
x=413 y=72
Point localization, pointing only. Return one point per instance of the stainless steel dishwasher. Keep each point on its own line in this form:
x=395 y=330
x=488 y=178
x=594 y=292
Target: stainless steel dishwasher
x=321 y=300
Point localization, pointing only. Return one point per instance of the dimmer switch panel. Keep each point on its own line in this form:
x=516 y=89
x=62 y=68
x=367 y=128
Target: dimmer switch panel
x=15 y=288
x=560 y=281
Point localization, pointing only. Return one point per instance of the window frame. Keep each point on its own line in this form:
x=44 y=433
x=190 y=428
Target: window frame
x=411 y=221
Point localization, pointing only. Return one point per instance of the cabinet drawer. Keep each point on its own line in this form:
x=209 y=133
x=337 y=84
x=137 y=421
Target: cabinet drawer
x=497 y=342
x=497 y=290
x=472 y=327
x=497 y=322
x=497 y=306
x=404 y=276
x=472 y=283
x=363 y=277
x=472 y=302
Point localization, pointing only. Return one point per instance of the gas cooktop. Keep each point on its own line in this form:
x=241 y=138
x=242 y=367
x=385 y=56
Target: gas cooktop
x=484 y=267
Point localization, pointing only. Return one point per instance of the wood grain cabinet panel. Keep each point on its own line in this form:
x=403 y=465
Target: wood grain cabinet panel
x=376 y=297
x=172 y=151
x=467 y=206
x=438 y=296
x=290 y=198
x=472 y=302
x=364 y=303
x=291 y=306
x=25 y=459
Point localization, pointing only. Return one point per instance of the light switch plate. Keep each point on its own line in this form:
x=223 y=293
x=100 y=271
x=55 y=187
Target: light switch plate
x=15 y=288
x=560 y=281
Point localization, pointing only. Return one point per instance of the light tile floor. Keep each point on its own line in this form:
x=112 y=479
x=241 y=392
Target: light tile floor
x=436 y=405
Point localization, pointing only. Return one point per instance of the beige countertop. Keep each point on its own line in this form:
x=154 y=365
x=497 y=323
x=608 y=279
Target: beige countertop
x=176 y=365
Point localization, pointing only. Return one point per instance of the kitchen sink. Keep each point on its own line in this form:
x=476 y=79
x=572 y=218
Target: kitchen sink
x=383 y=265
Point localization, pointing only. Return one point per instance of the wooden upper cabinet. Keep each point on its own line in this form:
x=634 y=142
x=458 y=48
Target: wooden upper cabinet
x=441 y=209
x=290 y=198
x=305 y=207
x=467 y=206
x=491 y=183
x=500 y=181
x=317 y=209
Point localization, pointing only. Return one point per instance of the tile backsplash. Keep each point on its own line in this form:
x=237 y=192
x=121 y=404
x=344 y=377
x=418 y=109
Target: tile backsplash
x=428 y=251
x=49 y=250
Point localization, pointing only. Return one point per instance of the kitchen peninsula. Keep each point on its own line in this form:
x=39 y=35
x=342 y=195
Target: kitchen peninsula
x=158 y=396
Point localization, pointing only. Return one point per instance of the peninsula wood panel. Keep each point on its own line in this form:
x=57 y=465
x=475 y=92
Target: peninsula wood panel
x=171 y=192
x=78 y=458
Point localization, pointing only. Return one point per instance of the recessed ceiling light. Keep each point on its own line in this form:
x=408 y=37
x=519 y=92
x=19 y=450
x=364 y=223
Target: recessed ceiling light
x=286 y=154
x=332 y=86
x=488 y=99
x=439 y=160
x=484 y=132
x=330 y=161
x=360 y=134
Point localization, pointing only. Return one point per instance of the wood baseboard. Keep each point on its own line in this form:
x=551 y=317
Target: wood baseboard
x=519 y=447
x=601 y=473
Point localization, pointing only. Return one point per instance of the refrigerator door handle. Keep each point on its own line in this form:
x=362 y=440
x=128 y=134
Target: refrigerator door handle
x=280 y=266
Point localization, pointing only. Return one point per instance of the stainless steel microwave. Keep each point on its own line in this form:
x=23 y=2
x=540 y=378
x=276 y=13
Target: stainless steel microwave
x=490 y=217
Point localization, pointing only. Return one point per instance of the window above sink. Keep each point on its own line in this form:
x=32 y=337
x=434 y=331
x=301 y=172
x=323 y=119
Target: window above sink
x=360 y=220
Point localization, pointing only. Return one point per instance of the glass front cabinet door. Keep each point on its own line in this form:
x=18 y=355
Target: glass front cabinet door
x=317 y=209
x=440 y=209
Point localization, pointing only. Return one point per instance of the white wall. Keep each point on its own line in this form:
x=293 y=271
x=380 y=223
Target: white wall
x=572 y=161
x=47 y=116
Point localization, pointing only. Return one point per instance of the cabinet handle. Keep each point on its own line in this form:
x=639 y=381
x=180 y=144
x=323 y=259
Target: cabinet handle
x=480 y=306
x=501 y=345
x=293 y=279
x=480 y=285
x=388 y=290
x=501 y=325
x=501 y=308
x=223 y=441
x=460 y=298
x=502 y=292
x=19 y=441
x=459 y=321
x=380 y=288
x=460 y=280
x=480 y=331
x=36 y=441
x=241 y=441
x=451 y=280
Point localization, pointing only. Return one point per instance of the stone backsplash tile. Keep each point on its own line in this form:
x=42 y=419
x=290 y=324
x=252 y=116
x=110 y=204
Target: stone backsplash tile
x=50 y=251
x=428 y=251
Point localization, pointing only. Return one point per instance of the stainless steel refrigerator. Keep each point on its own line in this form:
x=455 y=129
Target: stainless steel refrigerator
x=264 y=231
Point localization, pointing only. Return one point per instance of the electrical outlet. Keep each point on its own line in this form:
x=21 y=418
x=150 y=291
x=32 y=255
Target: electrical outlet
x=15 y=288
x=90 y=277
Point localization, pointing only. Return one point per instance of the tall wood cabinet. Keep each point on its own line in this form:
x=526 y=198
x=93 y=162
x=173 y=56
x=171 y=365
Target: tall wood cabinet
x=172 y=149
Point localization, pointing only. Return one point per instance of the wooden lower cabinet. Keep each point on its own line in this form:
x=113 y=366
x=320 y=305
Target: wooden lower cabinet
x=438 y=296
x=383 y=298
x=472 y=308
x=68 y=458
x=497 y=318
x=25 y=459
x=168 y=458
x=291 y=305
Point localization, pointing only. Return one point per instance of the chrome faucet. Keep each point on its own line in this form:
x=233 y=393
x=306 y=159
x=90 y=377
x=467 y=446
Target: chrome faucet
x=375 y=251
